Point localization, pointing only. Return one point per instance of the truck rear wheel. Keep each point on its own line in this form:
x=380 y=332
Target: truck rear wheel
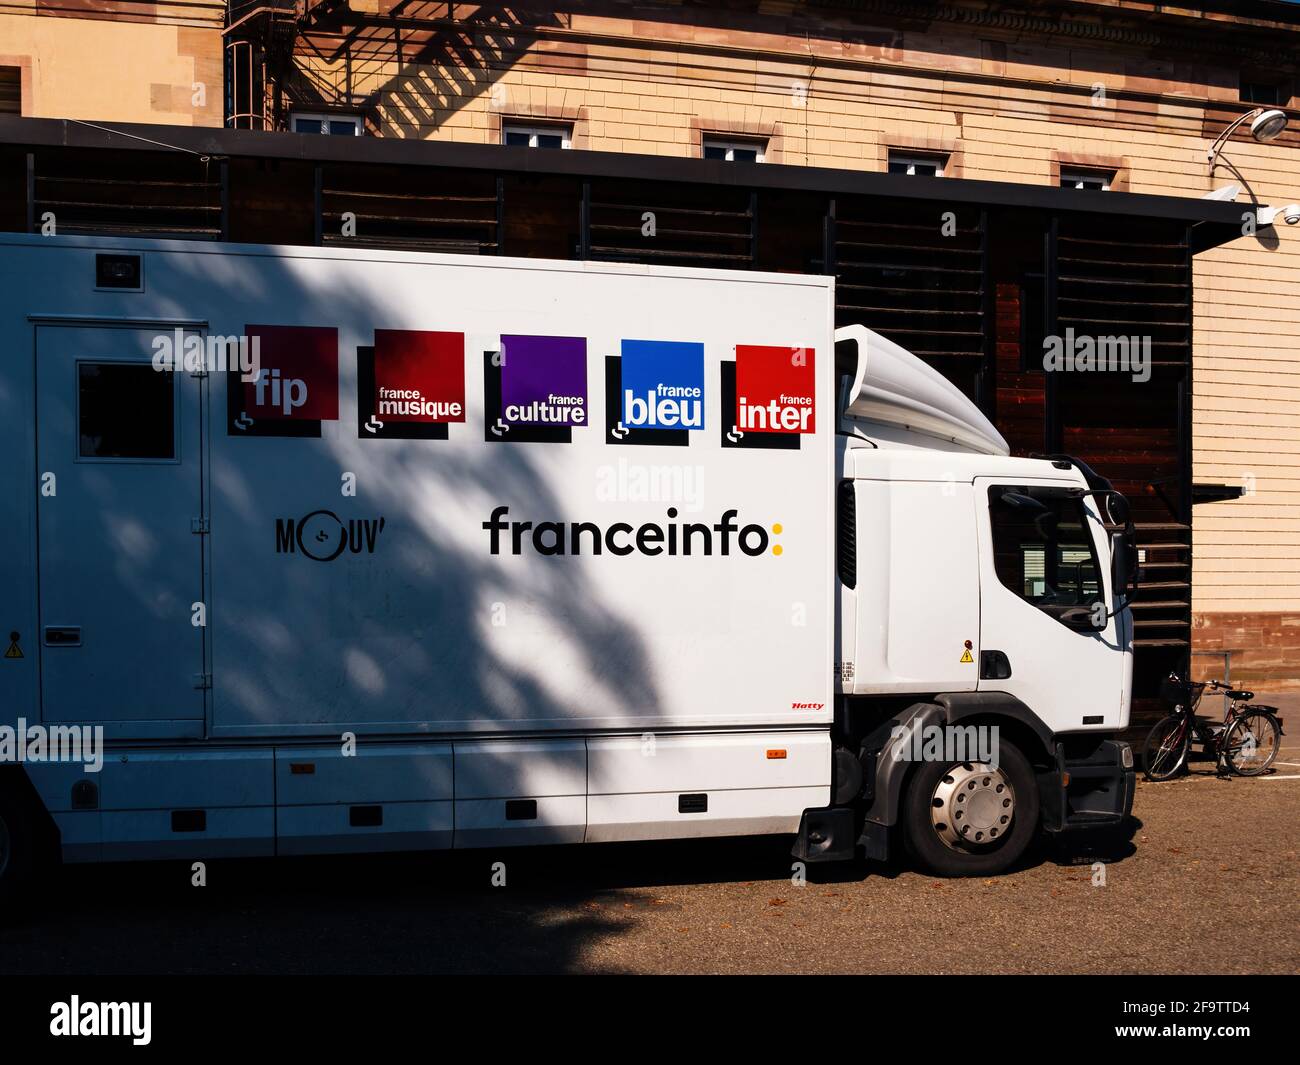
x=971 y=818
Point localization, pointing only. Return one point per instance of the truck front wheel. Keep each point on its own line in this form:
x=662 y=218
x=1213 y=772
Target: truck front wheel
x=971 y=818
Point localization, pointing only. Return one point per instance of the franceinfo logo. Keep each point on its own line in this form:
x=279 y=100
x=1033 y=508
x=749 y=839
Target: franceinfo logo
x=622 y=538
x=1075 y=353
x=192 y=353
x=53 y=743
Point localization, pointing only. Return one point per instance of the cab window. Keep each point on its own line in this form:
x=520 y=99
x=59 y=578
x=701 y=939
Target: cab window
x=1042 y=547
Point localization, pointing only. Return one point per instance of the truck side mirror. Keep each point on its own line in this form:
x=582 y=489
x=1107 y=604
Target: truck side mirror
x=1123 y=564
x=1117 y=508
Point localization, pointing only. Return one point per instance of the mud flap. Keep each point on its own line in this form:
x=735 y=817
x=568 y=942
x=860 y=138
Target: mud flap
x=825 y=836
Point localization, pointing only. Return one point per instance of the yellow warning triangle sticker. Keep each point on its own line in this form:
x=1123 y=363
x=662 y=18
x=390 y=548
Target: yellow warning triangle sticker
x=14 y=650
x=965 y=656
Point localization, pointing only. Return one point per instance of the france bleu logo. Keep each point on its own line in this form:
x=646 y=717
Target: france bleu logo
x=654 y=392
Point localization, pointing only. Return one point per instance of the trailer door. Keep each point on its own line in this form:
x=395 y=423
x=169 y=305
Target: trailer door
x=119 y=473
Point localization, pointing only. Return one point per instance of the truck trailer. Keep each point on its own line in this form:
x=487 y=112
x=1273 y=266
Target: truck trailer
x=317 y=550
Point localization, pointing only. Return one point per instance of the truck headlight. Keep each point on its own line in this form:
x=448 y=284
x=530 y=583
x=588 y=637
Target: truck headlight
x=1126 y=756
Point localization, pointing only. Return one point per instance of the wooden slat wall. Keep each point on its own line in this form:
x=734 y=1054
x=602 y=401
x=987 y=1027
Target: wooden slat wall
x=916 y=277
x=408 y=208
x=11 y=91
x=672 y=224
x=168 y=194
x=1134 y=279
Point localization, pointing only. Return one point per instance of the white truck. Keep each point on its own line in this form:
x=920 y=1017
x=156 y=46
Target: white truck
x=311 y=550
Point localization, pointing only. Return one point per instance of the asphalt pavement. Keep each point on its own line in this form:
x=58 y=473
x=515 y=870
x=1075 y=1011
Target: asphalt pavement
x=1206 y=880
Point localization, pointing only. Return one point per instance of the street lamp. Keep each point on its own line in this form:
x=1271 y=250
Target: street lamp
x=1265 y=125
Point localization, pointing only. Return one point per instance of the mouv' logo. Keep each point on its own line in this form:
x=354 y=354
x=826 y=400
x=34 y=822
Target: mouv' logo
x=323 y=536
x=654 y=392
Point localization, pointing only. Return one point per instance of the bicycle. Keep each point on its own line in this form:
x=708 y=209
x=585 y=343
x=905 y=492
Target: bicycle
x=1245 y=742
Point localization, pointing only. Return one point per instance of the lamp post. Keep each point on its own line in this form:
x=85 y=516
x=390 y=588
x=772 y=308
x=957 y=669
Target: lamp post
x=1265 y=125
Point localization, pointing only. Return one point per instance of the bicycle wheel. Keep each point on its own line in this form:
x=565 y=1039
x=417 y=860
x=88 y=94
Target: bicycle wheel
x=1251 y=743
x=1167 y=746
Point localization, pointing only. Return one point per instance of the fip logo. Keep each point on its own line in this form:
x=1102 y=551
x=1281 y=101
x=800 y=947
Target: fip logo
x=654 y=392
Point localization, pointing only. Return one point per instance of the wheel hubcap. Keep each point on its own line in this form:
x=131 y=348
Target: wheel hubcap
x=972 y=806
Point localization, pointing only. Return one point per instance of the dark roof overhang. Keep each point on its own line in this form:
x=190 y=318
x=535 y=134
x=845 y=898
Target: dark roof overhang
x=1212 y=222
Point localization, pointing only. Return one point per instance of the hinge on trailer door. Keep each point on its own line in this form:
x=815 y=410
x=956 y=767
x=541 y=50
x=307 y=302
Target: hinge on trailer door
x=203 y=680
x=199 y=526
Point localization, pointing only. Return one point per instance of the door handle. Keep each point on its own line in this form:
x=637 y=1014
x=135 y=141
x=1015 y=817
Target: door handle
x=62 y=635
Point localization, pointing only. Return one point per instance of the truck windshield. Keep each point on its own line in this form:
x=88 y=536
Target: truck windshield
x=1042 y=547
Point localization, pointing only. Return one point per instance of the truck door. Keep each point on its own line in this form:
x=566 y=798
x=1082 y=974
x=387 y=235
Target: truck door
x=1042 y=553
x=119 y=468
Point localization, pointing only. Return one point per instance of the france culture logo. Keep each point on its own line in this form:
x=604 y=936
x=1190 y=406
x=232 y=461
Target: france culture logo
x=535 y=389
x=654 y=392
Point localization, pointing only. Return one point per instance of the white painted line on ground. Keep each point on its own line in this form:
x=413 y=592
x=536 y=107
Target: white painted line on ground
x=1202 y=777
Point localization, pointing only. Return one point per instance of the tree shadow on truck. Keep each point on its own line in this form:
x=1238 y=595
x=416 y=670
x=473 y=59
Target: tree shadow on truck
x=415 y=625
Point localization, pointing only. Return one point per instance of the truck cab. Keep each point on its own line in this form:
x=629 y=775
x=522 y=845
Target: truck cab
x=984 y=658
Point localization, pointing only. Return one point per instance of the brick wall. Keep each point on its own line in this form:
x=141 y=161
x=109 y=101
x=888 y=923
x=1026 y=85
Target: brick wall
x=1263 y=645
x=133 y=62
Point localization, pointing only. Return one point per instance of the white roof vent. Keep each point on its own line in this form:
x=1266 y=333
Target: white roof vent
x=893 y=388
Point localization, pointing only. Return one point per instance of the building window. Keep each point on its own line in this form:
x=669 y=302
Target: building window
x=522 y=136
x=333 y=125
x=1096 y=180
x=734 y=151
x=11 y=91
x=1261 y=93
x=913 y=164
